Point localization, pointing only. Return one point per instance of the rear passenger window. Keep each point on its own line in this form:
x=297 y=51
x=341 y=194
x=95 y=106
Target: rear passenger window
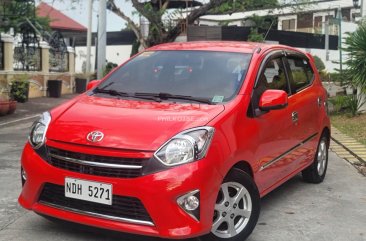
x=302 y=73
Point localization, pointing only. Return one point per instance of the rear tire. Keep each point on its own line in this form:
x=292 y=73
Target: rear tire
x=237 y=208
x=315 y=173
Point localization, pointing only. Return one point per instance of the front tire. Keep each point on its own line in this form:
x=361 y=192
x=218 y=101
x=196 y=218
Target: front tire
x=237 y=208
x=315 y=173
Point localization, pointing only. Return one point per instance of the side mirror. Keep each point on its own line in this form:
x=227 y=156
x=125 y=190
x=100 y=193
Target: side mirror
x=273 y=100
x=92 y=84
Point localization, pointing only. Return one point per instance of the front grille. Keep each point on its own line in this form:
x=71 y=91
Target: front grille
x=128 y=209
x=96 y=165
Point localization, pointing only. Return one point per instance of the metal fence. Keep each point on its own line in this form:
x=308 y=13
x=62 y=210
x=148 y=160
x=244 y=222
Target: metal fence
x=27 y=58
x=234 y=33
x=2 y=56
x=59 y=61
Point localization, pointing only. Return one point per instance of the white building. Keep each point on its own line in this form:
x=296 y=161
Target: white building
x=310 y=18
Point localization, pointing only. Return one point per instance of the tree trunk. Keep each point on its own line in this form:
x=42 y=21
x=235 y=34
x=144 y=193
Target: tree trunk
x=131 y=23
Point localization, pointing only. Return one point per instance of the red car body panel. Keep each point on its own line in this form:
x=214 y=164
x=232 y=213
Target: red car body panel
x=125 y=119
x=137 y=129
x=273 y=99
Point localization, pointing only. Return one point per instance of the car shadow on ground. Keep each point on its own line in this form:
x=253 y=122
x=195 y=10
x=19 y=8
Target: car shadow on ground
x=90 y=233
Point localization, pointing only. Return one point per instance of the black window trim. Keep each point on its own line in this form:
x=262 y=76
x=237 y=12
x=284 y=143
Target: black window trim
x=273 y=54
x=289 y=71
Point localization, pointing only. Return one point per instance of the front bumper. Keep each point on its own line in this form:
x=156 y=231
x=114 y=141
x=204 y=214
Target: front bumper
x=158 y=193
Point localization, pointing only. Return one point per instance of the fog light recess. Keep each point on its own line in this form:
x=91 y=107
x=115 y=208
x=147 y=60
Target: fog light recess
x=23 y=176
x=190 y=203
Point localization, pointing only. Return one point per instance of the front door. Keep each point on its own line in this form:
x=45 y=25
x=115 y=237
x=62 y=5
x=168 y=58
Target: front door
x=275 y=128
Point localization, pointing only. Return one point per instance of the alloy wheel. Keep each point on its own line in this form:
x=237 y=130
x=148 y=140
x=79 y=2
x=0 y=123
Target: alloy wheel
x=322 y=157
x=232 y=210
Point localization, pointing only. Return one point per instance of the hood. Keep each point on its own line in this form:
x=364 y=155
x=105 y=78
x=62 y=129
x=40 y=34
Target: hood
x=127 y=124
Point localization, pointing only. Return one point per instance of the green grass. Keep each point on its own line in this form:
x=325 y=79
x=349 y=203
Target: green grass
x=352 y=126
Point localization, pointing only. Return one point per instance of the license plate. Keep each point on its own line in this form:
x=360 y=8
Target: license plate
x=88 y=191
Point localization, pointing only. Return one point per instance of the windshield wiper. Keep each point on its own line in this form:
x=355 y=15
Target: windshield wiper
x=111 y=92
x=124 y=94
x=165 y=96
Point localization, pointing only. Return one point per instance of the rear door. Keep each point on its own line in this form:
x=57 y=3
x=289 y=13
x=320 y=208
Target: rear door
x=305 y=107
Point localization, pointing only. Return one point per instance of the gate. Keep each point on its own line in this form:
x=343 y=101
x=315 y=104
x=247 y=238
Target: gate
x=27 y=52
x=59 y=58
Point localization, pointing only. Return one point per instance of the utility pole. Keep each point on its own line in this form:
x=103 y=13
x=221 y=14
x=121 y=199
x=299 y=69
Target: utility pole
x=339 y=19
x=102 y=37
x=88 y=38
x=326 y=31
x=362 y=6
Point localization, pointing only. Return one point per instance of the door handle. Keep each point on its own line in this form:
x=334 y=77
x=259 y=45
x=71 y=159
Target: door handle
x=320 y=101
x=295 y=116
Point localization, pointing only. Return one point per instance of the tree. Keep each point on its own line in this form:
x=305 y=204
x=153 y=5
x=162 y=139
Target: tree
x=319 y=63
x=161 y=32
x=356 y=62
x=254 y=36
x=15 y=13
x=260 y=26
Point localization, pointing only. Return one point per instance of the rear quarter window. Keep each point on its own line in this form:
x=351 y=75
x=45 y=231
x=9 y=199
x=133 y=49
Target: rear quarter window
x=301 y=71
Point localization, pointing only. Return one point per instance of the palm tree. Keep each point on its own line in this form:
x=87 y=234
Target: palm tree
x=356 y=62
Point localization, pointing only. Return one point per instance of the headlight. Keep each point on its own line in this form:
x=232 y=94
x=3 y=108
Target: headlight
x=38 y=131
x=185 y=147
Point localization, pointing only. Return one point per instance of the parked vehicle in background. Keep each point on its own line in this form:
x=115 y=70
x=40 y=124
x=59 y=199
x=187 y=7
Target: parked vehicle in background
x=181 y=141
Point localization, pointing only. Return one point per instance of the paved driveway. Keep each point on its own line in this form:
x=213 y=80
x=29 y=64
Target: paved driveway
x=334 y=210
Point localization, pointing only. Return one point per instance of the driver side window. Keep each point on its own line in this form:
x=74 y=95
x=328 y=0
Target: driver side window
x=272 y=77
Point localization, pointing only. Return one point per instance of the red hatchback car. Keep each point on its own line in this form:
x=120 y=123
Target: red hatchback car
x=181 y=141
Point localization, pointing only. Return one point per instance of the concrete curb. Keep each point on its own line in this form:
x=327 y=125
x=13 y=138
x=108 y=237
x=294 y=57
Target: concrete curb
x=349 y=149
x=354 y=147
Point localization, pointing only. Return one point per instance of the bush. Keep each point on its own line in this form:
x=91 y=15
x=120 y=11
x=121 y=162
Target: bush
x=135 y=48
x=254 y=36
x=108 y=68
x=319 y=63
x=324 y=76
x=339 y=102
x=350 y=104
x=354 y=104
x=337 y=77
x=19 y=88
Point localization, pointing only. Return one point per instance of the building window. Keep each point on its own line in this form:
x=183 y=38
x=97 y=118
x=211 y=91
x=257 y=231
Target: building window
x=319 y=19
x=289 y=24
x=318 y=24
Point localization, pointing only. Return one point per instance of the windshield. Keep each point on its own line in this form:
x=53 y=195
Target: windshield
x=211 y=76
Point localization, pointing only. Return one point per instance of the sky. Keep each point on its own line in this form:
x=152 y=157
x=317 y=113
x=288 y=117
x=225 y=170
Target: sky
x=79 y=12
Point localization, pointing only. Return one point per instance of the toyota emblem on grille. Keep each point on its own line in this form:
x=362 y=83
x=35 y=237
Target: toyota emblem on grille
x=95 y=136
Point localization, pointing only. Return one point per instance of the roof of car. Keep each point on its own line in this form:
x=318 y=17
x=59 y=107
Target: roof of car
x=226 y=46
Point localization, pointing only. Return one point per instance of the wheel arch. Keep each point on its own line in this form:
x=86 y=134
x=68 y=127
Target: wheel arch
x=326 y=132
x=244 y=166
